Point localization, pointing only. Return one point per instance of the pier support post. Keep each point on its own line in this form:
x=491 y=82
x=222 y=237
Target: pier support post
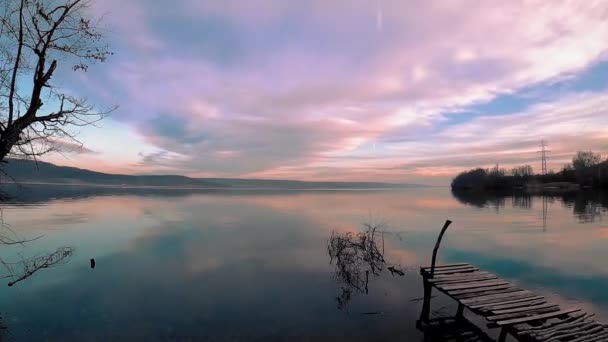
x=426 y=304
x=460 y=312
x=503 y=335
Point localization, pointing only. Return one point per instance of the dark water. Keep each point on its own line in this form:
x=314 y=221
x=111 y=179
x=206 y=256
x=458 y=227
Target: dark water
x=254 y=265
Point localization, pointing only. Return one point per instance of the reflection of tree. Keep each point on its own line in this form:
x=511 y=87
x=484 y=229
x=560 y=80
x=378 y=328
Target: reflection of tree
x=357 y=256
x=523 y=201
x=587 y=206
x=480 y=198
x=25 y=267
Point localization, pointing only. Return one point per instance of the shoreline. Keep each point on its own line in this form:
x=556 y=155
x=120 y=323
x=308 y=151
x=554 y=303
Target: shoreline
x=172 y=187
x=531 y=187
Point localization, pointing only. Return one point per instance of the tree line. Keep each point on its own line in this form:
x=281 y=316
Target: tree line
x=588 y=169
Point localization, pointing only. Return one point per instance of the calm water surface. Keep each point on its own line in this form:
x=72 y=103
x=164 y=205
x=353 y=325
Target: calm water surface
x=254 y=265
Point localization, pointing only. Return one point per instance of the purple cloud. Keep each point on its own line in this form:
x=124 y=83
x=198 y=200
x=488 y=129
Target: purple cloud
x=277 y=88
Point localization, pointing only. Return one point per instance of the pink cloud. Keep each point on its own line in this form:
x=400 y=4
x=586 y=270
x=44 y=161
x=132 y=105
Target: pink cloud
x=311 y=90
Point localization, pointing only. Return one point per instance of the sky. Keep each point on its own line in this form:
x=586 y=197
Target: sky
x=375 y=90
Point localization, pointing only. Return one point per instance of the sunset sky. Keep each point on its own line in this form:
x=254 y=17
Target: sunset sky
x=380 y=90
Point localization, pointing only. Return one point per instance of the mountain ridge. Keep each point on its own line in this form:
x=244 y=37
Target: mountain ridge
x=28 y=171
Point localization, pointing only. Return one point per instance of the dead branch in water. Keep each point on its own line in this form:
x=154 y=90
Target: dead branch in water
x=358 y=257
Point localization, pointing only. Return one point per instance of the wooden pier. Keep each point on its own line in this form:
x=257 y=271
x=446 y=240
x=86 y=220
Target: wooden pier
x=517 y=312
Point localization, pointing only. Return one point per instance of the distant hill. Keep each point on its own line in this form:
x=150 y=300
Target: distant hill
x=26 y=171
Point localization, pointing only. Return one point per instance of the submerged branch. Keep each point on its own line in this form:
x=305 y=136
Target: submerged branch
x=357 y=258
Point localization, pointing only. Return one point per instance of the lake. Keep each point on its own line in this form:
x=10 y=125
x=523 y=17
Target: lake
x=254 y=265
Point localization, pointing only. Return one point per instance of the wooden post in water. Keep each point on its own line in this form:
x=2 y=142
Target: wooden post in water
x=460 y=311
x=426 y=304
x=503 y=335
x=428 y=288
x=445 y=227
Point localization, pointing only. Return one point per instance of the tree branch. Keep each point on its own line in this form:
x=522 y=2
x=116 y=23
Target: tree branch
x=11 y=96
x=51 y=117
x=39 y=36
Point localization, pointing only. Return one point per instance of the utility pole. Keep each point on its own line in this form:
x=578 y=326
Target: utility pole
x=543 y=155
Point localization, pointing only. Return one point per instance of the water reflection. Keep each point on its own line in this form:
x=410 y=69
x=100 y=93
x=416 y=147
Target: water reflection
x=20 y=270
x=448 y=329
x=23 y=265
x=254 y=265
x=587 y=206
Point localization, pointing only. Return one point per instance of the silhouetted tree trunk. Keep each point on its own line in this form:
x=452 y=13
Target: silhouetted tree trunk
x=34 y=37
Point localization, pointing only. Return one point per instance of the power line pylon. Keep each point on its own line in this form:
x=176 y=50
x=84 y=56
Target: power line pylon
x=543 y=155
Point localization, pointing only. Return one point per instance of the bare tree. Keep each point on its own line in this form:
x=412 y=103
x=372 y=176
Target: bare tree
x=585 y=159
x=35 y=36
x=523 y=171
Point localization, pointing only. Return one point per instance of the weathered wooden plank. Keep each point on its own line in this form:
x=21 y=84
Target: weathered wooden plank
x=457 y=271
x=481 y=290
x=450 y=270
x=438 y=267
x=467 y=277
x=515 y=303
x=601 y=337
x=504 y=301
x=548 y=326
x=472 y=285
x=493 y=292
x=521 y=312
x=524 y=314
x=588 y=329
x=558 y=329
x=536 y=317
x=572 y=330
x=523 y=308
x=460 y=275
x=462 y=280
x=488 y=298
x=456 y=277
x=454 y=269
x=597 y=336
